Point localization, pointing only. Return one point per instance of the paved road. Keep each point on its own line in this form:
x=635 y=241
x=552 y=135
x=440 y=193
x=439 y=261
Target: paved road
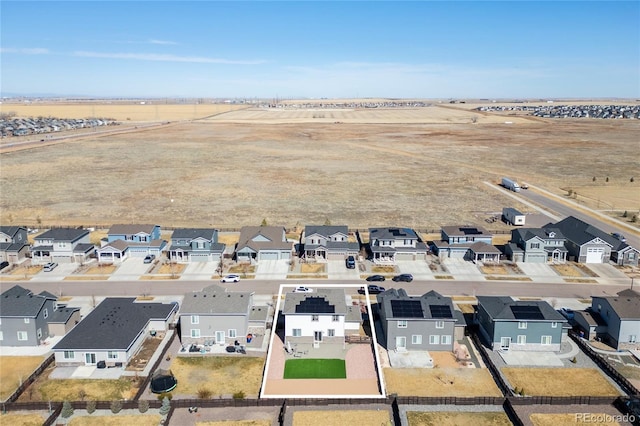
x=451 y=288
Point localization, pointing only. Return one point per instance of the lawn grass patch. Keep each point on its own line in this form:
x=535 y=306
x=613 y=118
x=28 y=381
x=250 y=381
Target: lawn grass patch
x=315 y=369
x=566 y=270
x=312 y=268
x=101 y=269
x=446 y=418
x=242 y=269
x=559 y=381
x=117 y=420
x=505 y=278
x=13 y=370
x=580 y=281
x=171 y=268
x=340 y=418
x=383 y=269
x=221 y=375
x=443 y=277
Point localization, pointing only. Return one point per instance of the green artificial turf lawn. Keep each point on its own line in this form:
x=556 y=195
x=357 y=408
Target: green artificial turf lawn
x=315 y=369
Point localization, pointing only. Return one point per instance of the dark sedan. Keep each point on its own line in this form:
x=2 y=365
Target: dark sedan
x=403 y=277
x=373 y=289
x=376 y=278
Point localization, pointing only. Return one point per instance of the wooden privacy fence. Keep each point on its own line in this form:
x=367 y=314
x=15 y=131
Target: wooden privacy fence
x=46 y=363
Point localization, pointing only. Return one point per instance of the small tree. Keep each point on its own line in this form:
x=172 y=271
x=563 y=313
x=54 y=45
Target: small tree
x=116 y=406
x=327 y=222
x=204 y=393
x=625 y=214
x=91 y=407
x=82 y=394
x=238 y=395
x=166 y=406
x=264 y=222
x=634 y=219
x=569 y=192
x=67 y=410
x=143 y=405
x=607 y=179
x=632 y=179
x=594 y=179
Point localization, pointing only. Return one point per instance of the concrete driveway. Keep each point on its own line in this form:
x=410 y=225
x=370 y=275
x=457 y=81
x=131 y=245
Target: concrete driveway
x=461 y=267
x=130 y=269
x=338 y=271
x=199 y=271
x=272 y=269
x=605 y=270
x=418 y=268
x=538 y=359
x=539 y=272
x=58 y=274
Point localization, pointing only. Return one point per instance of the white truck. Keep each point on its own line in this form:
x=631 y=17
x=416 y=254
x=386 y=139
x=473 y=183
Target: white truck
x=513 y=217
x=511 y=185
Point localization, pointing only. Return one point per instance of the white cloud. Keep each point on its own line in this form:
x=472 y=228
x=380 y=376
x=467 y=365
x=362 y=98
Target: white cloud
x=26 y=51
x=166 y=58
x=164 y=42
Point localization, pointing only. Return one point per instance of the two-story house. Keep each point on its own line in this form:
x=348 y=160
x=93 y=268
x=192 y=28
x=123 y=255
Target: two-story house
x=621 y=314
x=131 y=241
x=13 y=244
x=537 y=245
x=319 y=317
x=323 y=243
x=588 y=244
x=389 y=245
x=195 y=245
x=215 y=314
x=27 y=319
x=62 y=245
x=425 y=323
x=509 y=324
x=466 y=242
x=263 y=243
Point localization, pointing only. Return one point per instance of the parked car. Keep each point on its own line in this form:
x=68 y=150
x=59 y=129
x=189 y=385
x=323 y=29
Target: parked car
x=407 y=278
x=567 y=313
x=48 y=267
x=149 y=258
x=4 y=265
x=350 y=262
x=231 y=278
x=376 y=278
x=619 y=237
x=302 y=289
x=373 y=289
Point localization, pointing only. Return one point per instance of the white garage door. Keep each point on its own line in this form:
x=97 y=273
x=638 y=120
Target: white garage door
x=137 y=252
x=594 y=255
x=285 y=255
x=404 y=256
x=199 y=258
x=269 y=255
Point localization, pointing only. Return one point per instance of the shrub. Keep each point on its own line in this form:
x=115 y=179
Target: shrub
x=625 y=214
x=82 y=394
x=143 y=405
x=91 y=407
x=238 y=395
x=516 y=391
x=574 y=360
x=116 y=406
x=67 y=410
x=204 y=393
x=166 y=406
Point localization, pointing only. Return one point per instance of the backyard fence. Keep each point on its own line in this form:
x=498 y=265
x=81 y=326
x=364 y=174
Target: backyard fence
x=24 y=385
x=147 y=379
x=497 y=377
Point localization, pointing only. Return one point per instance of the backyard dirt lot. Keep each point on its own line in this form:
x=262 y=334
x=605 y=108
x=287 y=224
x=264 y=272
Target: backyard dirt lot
x=559 y=381
x=601 y=419
x=117 y=420
x=294 y=167
x=463 y=382
x=22 y=419
x=340 y=418
x=443 y=418
x=14 y=370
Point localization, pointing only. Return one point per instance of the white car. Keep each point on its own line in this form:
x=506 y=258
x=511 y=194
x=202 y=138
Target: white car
x=49 y=267
x=302 y=289
x=230 y=279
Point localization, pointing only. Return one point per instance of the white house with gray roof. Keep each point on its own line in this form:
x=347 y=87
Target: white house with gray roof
x=13 y=244
x=215 y=314
x=113 y=332
x=322 y=243
x=389 y=245
x=62 y=245
x=195 y=245
x=263 y=243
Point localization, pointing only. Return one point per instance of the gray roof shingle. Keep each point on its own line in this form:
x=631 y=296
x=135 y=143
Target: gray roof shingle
x=333 y=296
x=20 y=302
x=499 y=308
x=62 y=234
x=215 y=300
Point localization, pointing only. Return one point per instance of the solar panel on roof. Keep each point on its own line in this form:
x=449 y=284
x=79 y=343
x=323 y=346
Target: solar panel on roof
x=315 y=305
x=526 y=312
x=440 y=311
x=407 y=309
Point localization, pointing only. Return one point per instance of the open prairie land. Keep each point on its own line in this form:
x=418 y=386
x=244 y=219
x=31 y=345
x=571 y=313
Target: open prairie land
x=421 y=167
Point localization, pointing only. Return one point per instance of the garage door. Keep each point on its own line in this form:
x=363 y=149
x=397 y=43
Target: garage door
x=138 y=252
x=404 y=256
x=199 y=258
x=594 y=255
x=285 y=255
x=536 y=258
x=62 y=259
x=269 y=255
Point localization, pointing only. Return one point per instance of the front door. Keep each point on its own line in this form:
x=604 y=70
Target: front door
x=317 y=336
x=89 y=358
x=401 y=342
x=505 y=342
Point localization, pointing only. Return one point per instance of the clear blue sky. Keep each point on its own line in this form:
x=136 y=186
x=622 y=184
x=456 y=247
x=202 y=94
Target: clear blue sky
x=422 y=49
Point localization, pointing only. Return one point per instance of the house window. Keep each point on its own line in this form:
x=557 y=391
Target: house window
x=39 y=333
x=535 y=245
x=335 y=318
x=60 y=244
x=26 y=320
x=232 y=333
x=402 y=324
x=315 y=318
x=69 y=355
x=22 y=335
x=522 y=325
x=445 y=339
x=195 y=319
x=112 y=355
x=416 y=339
x=331 y=332
x=1 y=336
x=439 y=324
x=632 y=338
x=632 y=256
x=546 y=340
x=434 y=340
x=297 y=332
x=554 y=324
x=46 y=313
x=522 y=339
x=195 y=332
x=200 y=244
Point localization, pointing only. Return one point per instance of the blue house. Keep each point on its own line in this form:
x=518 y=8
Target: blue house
x=131 y=241
x=466 y=242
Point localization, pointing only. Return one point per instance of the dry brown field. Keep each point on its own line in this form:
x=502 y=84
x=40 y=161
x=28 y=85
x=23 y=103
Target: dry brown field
x=340 y=418
x=539 y=419
x=14 y=370
x=559 y=381
x=447 y=381
x=421 y=168
x=445 y=418
x=22 y=419
x=116 y=420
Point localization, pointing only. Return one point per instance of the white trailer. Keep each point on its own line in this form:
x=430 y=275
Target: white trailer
x=512 y=216
x=511 y=185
